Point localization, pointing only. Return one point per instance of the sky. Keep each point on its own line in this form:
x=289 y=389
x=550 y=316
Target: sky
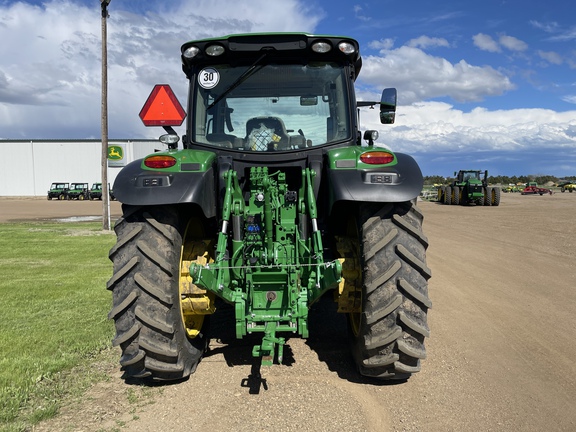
x=481 y=85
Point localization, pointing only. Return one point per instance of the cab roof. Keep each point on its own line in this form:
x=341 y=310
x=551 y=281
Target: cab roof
x=247 y=48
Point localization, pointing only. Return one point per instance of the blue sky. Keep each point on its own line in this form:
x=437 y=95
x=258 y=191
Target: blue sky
x=481 y=85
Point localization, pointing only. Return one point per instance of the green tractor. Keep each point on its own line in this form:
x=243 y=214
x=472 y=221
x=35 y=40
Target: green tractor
x=470 y=187
x=272 y=203
x=58 y=190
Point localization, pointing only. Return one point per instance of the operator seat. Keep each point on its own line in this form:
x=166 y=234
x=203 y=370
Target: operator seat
x=267 y=134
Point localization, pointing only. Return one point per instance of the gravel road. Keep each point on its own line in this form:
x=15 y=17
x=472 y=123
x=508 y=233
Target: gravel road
x=501 y=356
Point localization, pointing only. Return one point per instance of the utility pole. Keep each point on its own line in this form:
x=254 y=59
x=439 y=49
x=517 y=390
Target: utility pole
x=105 y=190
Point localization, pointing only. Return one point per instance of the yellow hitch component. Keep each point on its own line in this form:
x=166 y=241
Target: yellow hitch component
x=350 y=288
x=194 y=299
x=195 y=303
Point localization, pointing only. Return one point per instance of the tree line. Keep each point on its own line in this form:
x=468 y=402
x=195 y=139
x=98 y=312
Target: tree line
x=504 y=180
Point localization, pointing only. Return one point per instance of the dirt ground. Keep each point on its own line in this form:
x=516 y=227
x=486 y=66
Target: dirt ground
x=500 y=357
x=14 y=209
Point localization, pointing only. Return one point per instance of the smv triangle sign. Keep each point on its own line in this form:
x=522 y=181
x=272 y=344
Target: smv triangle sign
x=162 y=108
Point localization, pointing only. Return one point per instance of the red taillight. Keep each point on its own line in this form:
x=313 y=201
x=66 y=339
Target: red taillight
x=377 y=158
x=160 y=162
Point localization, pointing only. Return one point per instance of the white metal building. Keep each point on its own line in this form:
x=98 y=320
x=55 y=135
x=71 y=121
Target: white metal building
x=29 y=167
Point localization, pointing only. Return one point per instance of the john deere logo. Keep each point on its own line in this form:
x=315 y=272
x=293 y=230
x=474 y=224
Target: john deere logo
x=115 y=153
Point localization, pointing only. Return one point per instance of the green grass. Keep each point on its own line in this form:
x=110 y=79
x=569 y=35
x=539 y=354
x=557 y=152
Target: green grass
x=53 y=314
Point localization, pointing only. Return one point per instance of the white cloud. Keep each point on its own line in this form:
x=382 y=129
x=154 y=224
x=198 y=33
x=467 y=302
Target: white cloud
x=560 y=34
x=253 y=16
x=550 y=27
x=50 y=59
x=382 y=44
x=565 y=35
x=50 y=74
x=512 y=43
x=359 y=15
x=431 y=127
x=419 y=76
x=426 y=42
x=486 y=43
x=551 y=57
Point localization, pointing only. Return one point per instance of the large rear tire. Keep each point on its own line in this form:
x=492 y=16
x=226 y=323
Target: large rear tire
x=487 y=196
x=448 y=195
x=455 y=195
x=388 y=337
x=496 y=196
x=440 y=194
x=155 y=340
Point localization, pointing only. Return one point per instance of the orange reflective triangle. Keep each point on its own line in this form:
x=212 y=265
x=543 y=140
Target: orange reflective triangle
x=162 y=108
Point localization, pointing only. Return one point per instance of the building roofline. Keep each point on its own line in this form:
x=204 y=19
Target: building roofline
x=91 y=140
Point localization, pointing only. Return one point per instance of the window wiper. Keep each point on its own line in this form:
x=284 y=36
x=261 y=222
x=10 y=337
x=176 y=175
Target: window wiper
x=247 y=73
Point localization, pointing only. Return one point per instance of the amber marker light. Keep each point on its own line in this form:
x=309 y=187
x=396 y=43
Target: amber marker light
x=377 y=158
x=160 y=161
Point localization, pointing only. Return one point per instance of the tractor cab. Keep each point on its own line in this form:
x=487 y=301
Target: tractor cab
x=282 y=93
x=471 y=176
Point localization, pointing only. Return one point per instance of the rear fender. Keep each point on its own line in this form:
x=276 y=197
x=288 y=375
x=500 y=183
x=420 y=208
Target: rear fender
x=140 y=187
x=400 y=182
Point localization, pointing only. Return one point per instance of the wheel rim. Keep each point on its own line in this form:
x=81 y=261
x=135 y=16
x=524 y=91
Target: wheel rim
x=349 y=248
x=355 y=319
x=195 y=303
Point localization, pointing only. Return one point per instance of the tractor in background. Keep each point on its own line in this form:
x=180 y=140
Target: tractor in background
x=470 y=187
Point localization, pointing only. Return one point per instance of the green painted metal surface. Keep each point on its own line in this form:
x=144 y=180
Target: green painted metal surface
x=274 y=269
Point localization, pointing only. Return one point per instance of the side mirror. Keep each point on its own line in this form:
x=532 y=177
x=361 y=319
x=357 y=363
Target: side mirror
x=388 y=106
